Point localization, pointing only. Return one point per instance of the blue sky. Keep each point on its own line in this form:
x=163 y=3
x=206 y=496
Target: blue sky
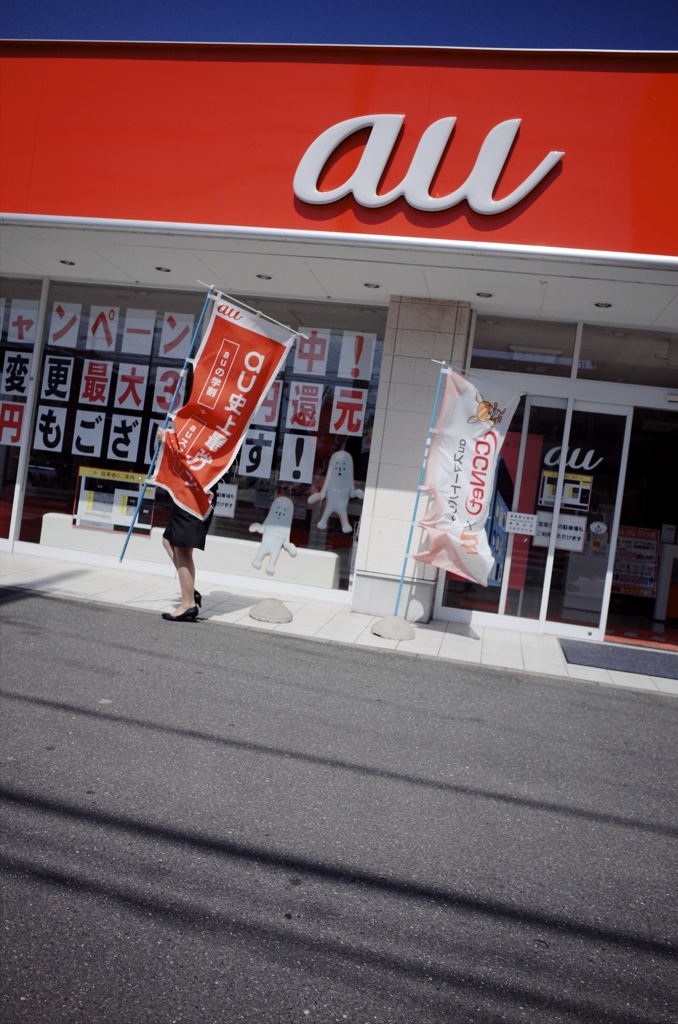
x=542 y=24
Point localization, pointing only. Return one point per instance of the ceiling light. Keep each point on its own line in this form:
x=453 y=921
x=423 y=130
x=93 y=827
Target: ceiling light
x=67 y=263
x=371 y=284
x=164 y=270
x=603 y=305
x=264 y=277
x=485 y=295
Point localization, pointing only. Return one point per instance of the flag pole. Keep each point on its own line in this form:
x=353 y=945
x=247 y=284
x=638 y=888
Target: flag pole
x=211 y=295
x=427 y=448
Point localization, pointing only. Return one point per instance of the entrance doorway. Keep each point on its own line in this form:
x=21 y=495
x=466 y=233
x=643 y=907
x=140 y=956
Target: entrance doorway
x=639 y=612
x=564 y=462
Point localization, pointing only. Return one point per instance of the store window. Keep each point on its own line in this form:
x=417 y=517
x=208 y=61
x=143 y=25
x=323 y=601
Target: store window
x=19 y=305
x=523 y=346
x=315 y=425
x=648 y=358
x=111 y=364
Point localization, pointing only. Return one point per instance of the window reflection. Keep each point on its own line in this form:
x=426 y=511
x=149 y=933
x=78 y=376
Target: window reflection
x=647 y=358
x=523 y=346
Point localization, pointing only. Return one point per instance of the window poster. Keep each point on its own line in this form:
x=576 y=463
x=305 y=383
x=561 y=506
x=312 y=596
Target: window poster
x=268 y=413
x=137 y=333
x=227 y=496
x=112 y=363
x=96 y=382
x=176 y=335
x=18 y=323
x=303 y=409
x=88 y=433
x=11 y=423
x=298 y=457
x=50 y=428
x=15 y=374
x=125 y=433
x=64 y=325
x=166 y=381
x=635 y=562
x=348 y=411
x=107 y=500
x=57 y=377
x=102 y=328
x=311 y=352
x=576 y=490
x=357 y=355
x=571 y=531
x=131 y=387
x=23 y=322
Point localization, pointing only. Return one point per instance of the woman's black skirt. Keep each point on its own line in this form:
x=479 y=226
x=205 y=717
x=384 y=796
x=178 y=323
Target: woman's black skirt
x=185 y=531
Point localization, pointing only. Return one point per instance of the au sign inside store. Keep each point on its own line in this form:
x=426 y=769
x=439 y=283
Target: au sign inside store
x=477 y=190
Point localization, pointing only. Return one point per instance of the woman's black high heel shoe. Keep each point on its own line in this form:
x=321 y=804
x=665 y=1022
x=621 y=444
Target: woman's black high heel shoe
x=197 y=597
x=190 y=615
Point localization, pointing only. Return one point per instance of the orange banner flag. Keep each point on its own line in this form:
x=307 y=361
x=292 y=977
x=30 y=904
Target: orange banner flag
x=239 y=356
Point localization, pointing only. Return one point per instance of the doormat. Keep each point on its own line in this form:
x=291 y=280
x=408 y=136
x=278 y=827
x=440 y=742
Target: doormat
x=621 y=658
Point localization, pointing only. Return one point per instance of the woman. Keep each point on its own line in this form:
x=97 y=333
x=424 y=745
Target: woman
x=184 y=533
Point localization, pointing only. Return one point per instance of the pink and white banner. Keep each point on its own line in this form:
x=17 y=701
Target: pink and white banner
x=468 y=435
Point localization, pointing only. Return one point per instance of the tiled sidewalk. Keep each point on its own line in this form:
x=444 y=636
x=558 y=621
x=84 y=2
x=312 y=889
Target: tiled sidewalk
x=321 y=619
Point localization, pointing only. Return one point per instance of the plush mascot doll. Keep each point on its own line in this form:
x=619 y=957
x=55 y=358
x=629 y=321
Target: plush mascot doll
x=275 y=532
x=336 y=490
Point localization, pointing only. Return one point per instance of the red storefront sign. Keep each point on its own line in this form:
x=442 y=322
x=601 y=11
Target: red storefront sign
x=597 y=125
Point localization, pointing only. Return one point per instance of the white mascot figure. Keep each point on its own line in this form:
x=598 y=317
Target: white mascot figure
x=336 y=490
x=275 y=532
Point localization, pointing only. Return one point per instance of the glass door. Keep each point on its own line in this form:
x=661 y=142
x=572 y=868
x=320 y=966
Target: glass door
x=583 y=485
x=562 y=468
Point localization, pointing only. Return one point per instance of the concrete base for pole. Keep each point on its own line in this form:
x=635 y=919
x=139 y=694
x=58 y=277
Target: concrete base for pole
x=393 y=627
x=271 y=610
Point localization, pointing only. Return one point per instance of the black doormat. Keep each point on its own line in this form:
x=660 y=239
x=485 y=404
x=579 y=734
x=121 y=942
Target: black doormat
x=621 y=658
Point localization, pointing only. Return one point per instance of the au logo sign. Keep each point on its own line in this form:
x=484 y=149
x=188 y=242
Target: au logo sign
x=477 y=190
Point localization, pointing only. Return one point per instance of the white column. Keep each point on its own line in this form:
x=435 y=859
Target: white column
x=417 y=332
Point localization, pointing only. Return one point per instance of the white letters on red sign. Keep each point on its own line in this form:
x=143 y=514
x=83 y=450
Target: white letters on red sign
x=477 y=190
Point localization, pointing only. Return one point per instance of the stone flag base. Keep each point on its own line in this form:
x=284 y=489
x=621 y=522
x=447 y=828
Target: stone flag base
x=271 y=610
x=393 y=627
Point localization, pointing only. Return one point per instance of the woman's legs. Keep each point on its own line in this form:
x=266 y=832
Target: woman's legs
x=185 y=566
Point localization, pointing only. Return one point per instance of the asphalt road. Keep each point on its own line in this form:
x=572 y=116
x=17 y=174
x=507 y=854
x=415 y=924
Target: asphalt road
x=204 y=823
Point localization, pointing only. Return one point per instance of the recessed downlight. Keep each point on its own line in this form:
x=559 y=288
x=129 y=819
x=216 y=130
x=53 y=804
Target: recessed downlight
x=164 y=270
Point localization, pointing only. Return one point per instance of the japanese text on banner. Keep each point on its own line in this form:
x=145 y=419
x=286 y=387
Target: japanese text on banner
x=468 y=436
x=239 y=356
